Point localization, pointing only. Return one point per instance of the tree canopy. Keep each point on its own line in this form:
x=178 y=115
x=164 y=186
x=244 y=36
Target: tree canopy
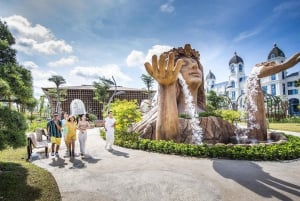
x=15 y=80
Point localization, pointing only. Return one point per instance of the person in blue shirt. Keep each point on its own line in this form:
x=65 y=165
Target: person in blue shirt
x=54 y=130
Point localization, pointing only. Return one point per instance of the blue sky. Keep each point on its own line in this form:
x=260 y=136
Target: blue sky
x=82 y=40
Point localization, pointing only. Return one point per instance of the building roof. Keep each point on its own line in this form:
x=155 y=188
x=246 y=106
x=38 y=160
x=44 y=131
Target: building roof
x=293 y=74
x=276 y=51
x=210 y=75
x=236 y=59
x=91 y=87
x=225 y=83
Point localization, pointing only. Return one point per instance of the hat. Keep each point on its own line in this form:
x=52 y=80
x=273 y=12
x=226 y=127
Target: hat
x=70 y=116
x=55 y=114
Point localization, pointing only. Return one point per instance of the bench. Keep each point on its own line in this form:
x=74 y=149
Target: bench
x=37 y=140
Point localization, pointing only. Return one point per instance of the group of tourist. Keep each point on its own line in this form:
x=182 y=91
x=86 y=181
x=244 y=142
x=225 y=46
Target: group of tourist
x=67 y=129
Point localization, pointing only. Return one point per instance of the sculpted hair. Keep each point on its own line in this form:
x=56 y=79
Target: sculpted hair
x=187 y=51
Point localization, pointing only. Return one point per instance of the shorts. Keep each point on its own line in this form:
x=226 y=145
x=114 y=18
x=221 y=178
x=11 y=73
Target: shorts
x=55 y=140
x=70 y=138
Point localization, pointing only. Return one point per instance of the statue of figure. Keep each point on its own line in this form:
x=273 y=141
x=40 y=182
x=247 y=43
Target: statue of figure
x=171 y=99
x=255 y=99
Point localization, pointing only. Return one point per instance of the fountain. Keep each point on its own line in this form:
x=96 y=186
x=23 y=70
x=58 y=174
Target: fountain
x=179 y=74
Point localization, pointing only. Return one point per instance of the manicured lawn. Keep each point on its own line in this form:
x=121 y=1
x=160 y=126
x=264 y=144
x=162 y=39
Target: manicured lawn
x=294 y=127
x=21 y=180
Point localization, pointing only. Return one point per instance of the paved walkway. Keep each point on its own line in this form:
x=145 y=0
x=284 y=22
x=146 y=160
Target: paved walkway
x=133 y=175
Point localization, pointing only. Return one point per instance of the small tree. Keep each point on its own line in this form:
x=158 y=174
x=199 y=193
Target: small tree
x=214 y=101
x=148 y=80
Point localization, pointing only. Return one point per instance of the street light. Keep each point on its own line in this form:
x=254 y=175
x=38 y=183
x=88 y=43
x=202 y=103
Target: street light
x=115 y=92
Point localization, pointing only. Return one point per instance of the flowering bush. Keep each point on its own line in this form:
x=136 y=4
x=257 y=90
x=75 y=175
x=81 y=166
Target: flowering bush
x=126 y=113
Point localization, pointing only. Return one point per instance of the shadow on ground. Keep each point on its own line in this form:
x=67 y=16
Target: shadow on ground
x=13 y=177
x=119 y=153
x=251 y=176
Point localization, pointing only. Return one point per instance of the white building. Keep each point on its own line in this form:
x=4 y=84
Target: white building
x=281 y=84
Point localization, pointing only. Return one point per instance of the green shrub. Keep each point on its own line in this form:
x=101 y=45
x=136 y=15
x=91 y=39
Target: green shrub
x=32 y=126
x=12 y=128
x=230 y=115
x=92 y=117
x=211 y=113
x=287 y=151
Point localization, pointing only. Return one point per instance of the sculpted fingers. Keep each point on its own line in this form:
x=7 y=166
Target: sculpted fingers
x=178 y=66
x=154 y=63
x=162 y=69
x=170 y=62
x=149 y=68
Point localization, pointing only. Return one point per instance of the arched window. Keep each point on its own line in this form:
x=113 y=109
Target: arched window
x=272 y=55
x=232 y=68
x=240 y=68
x=232 y=84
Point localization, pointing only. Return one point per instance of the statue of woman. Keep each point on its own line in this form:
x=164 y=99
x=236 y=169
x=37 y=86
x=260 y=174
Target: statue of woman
x=255 y=100
x=171 y=99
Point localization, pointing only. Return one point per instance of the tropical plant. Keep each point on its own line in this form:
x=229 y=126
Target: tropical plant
x=57 y=93
x=101 y=89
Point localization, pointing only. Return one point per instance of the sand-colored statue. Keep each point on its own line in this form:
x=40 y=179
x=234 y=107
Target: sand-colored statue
x=162 y=122
x=255 y=100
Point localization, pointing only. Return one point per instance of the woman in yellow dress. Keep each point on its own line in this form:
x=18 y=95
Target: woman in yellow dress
x=71 y=136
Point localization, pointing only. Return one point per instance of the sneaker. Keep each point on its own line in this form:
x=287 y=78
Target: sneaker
x=56 y=154
x=52 y=153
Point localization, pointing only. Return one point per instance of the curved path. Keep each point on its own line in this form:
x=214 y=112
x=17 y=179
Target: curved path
x=133 y=175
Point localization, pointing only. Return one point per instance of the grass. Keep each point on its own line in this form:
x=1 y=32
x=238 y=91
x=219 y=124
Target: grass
x=21 y=180
x=294 y=127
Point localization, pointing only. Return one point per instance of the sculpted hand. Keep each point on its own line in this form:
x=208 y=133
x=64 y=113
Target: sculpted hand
x=164 y=72
x=269 y=68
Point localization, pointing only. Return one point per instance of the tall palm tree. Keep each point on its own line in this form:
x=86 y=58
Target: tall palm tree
x=58 y=80
x=148 y=80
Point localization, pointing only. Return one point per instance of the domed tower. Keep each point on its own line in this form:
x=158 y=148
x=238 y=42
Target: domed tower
x=237 y=79
x=210 y=81
x=275 y=84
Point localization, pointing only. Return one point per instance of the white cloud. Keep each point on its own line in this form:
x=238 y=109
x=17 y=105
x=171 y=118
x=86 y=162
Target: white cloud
x=157 y=50
x=135 y=58
x=35 y=39
x=287 y=6
x=167 y=7
x=246 y=34
x=63 y=62
x=30 y=65
x=94 y=72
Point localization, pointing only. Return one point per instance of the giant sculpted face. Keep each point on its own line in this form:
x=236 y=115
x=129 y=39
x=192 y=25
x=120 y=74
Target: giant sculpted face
x=191 y=72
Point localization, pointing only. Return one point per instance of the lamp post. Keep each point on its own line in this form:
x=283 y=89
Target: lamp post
x=115 y=92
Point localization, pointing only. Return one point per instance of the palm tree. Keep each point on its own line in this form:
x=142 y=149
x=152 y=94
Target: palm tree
x=148 y=80
x=58 y=80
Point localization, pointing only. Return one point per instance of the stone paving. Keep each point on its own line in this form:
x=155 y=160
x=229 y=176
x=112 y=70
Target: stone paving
x=133 y=175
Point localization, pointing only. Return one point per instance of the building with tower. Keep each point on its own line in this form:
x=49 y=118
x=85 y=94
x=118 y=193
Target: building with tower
x=280 y=85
